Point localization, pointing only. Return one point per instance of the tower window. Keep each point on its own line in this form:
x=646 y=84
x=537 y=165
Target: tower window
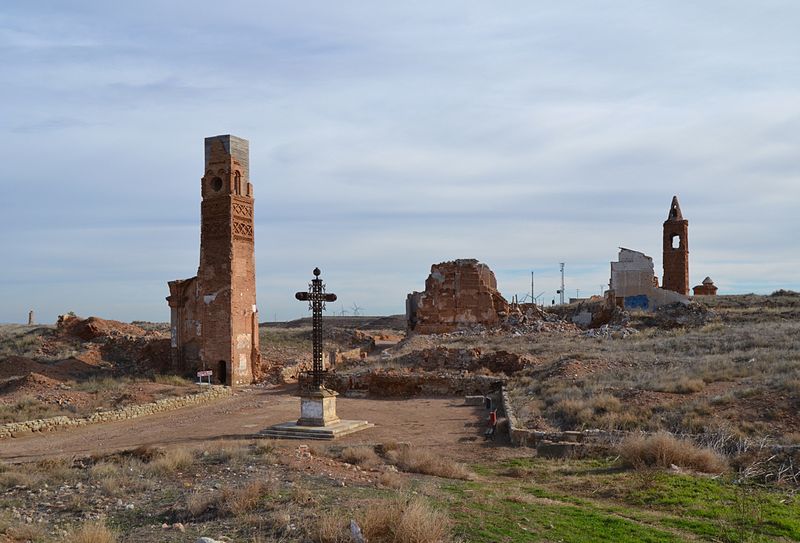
x=216 y=184
x=676 y=241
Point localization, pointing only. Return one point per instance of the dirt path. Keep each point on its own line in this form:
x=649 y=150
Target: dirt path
x=444 y=424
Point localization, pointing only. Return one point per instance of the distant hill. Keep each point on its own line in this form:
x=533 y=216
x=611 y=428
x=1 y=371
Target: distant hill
x=392 y=322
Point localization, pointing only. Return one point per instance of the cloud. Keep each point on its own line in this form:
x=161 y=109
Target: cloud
x=387 y=137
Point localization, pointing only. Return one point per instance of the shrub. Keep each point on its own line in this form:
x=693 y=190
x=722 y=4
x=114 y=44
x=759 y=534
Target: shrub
x=173 y=380
x=171 y=461
x=427 y=463
x=400 y=521
x=391 y=479
x=331 y=528
x=360 y=456
x=91 y=532
x=233 y=501
x=663 y=450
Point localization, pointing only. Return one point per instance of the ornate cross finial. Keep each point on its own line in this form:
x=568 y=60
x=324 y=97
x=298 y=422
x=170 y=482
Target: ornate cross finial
x=316 y=298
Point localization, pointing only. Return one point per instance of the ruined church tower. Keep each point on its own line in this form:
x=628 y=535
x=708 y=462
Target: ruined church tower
x=676 y=250
x=214 y=315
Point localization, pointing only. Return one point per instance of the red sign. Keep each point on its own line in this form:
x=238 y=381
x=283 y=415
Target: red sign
x=205 y=373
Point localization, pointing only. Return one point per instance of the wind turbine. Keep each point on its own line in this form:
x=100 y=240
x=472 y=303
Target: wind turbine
x=356 y=310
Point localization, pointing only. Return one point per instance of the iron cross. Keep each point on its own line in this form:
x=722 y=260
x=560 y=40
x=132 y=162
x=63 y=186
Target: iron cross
x=316 y=298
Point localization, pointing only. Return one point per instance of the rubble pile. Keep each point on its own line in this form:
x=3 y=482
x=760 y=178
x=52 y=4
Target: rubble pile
x=611 y=331
x=466 y=360
x=678 y=315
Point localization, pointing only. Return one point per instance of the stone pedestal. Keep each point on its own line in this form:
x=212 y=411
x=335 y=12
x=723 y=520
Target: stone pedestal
x=318 y=408
x=318 y=419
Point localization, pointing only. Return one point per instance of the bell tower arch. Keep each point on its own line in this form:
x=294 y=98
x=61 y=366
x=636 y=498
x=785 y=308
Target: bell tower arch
x=676 y=250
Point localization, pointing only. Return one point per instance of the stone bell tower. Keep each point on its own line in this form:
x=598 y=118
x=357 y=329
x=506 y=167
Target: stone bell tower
x=214 y=315
x=676 y=250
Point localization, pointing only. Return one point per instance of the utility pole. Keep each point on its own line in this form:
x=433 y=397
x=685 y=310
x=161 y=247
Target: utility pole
x=577 y=293
x=561 y=292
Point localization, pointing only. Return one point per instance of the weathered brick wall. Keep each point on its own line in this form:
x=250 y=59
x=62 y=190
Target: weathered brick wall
x=457 y=294
x=220 y=313
x=676 y=259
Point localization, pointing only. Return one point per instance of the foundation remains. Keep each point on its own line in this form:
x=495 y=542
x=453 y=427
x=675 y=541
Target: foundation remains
x=457 y=294
x=214 y=318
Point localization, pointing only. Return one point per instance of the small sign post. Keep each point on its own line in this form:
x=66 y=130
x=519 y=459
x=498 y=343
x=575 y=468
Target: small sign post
x=204 y=373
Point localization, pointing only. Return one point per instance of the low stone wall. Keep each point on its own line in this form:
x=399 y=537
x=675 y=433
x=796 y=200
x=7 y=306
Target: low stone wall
x=14 y=429
x=525 y=437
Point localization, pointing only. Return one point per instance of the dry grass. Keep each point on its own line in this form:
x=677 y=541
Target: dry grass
x=331 y=527
x=664 y=450
x=25 y=533
x=404 y=521
x=172 y=460
x=12 y=478
x=245 y=498
x=427 y=463
x=363 y=455
x=91 y=532
x=27 y=408
x=230 y=501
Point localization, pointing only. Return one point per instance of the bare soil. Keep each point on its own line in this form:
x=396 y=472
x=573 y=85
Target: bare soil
x=443 y=424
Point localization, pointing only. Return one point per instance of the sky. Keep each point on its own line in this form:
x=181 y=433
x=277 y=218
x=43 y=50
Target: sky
x=389 y=136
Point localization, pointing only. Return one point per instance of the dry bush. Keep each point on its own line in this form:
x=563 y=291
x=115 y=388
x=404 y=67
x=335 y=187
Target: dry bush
x=428 y=463
x=170 y=461
x=25 y=533
x=331 y=527
x=172 y=380
x=198 y=504
x=391 y=479
x=222 y=453
x=264 y=448
x=682 y=385
x=401 y=521
x=10 y=479
x=56 y=470
x=91 y=532
x=518 y=472
x=663 y=450
x=360 y=456
x=233 y=501
x=244 y=498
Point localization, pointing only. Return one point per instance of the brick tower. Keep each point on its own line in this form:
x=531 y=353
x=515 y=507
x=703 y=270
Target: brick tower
x=676 y=250
x=214 y=315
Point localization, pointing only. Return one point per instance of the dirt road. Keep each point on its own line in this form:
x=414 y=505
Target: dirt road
x=444 y=424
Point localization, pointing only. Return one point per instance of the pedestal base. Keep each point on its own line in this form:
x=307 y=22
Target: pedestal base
x=292 y=430
x=318 y=408
x=317 y=420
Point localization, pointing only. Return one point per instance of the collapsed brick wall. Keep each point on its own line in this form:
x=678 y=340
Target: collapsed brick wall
x=457 y=294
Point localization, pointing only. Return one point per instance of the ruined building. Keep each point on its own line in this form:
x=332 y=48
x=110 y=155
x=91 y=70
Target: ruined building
x=634 y=284
x=214 y=319
x=457 y=294
x=707 y=288
x=676 y=250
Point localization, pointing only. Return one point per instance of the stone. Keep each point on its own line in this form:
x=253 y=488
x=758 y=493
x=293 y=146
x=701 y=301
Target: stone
x=318 y=408
x=676 y=251
x=458 y=294
x=214 y=318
